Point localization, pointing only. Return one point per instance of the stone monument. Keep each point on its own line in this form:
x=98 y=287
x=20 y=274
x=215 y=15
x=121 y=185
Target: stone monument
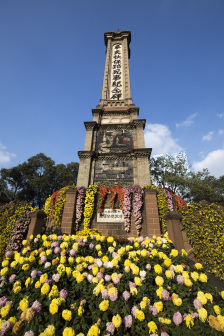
x=114 y=148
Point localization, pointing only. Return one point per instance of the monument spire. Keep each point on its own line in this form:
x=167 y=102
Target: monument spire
x=114 y=150
x=116 y=79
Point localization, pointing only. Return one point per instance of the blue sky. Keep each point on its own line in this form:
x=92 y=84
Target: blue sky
x=51 y=71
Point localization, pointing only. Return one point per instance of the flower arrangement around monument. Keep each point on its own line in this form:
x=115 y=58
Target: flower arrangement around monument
x=54 y=205
x=81 y=193
x=10 y=214
x=71 y=285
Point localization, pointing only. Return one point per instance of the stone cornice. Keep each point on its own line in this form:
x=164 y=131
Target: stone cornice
x=90 y=125
x=85 y=154
x=139 y=123
x=125 y=155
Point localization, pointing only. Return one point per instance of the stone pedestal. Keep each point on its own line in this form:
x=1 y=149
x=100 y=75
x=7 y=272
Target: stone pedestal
x=68 y=216
x=36 y=223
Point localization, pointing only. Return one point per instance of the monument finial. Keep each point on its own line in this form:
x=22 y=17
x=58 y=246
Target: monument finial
x=118 y=31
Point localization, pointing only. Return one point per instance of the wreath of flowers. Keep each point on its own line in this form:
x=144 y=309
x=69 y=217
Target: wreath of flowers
x=81 y=193
x=137 y=206
x=89 y=205
x=169 y=198
x=117 y=191
x=103 y=193
x=128 y=190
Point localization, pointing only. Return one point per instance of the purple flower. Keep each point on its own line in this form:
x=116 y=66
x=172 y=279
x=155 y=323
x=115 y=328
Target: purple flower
x=82 y=244
x=72 y=252
x=99 y=275
x=133 y=309
x=165 y=295
x=116 y=280
x=3 y=301
x=164 y=334
x=5 y=327
x=193 y=315
x=105 y=294
x=12 y=278
x=126 y=295
x=91 y=246
x=9 y=254
x=180 y=279
x=130 y=240
x=33 y=274
x=37 y=306
x=197 y=304
x=128 y=321
x=63 y=293
x=54 y=244
x=114 y=254
x=107 y=277
x=132 y=284
x=143 y=245
x=177 y=318
x=140 y=239
x=110 y=327
x=59 y=238
x=113 y=297
x=56 y=277
x=93 y=236
x=57 y=250
x=3 y=278
x=48 y=281
x=153 y=310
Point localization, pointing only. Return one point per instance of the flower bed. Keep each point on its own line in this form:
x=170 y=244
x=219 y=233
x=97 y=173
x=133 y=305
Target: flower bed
x=70 y=285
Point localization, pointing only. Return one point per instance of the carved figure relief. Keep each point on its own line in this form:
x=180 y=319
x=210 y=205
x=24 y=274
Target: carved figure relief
x=114 y=141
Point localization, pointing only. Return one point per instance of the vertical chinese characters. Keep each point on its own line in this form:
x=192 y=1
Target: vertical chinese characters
x=116 y=73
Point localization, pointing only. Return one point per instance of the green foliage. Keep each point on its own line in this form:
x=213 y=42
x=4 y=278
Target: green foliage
x=204 y=224
x=9 y=215
x=33 y=180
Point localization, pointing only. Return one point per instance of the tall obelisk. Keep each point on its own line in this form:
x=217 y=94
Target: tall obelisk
x=114 y=148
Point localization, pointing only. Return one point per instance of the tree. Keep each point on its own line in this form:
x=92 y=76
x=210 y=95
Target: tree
x=38 y=177
x=171 y=173
x=204 y=186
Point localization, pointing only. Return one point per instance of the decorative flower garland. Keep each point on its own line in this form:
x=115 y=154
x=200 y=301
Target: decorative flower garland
x=103 y=193
x=128 y=190
x=54 y=205
x=179 y=202
x=19 y=232
x=138 y=203
x=81 y=193
x=89 y=205
x=169 y=198
x=117 y=191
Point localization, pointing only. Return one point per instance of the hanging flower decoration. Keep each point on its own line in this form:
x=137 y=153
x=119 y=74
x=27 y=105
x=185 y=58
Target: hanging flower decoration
x=179 y=202
x=137 y=206
x=169 y=198
x=117 y=191
x=81 y=193
x=103 y=193
x=89 y=205
x=128 y=190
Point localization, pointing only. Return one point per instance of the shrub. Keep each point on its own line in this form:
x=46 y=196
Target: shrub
x=9 y=215
x=204 y=224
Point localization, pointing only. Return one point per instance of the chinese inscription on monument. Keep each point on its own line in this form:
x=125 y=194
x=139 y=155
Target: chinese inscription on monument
x=116 y=73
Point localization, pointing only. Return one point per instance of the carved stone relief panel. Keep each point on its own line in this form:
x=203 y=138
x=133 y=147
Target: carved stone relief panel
x=113 y=171
x=114 y=141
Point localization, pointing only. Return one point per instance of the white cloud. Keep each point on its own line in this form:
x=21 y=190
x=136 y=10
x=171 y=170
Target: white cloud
x=159 y=138
x=221 y=132
x=220 y=115
x=189 y=121
x=208 y=136
x=213 y=162
x=5 y=156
